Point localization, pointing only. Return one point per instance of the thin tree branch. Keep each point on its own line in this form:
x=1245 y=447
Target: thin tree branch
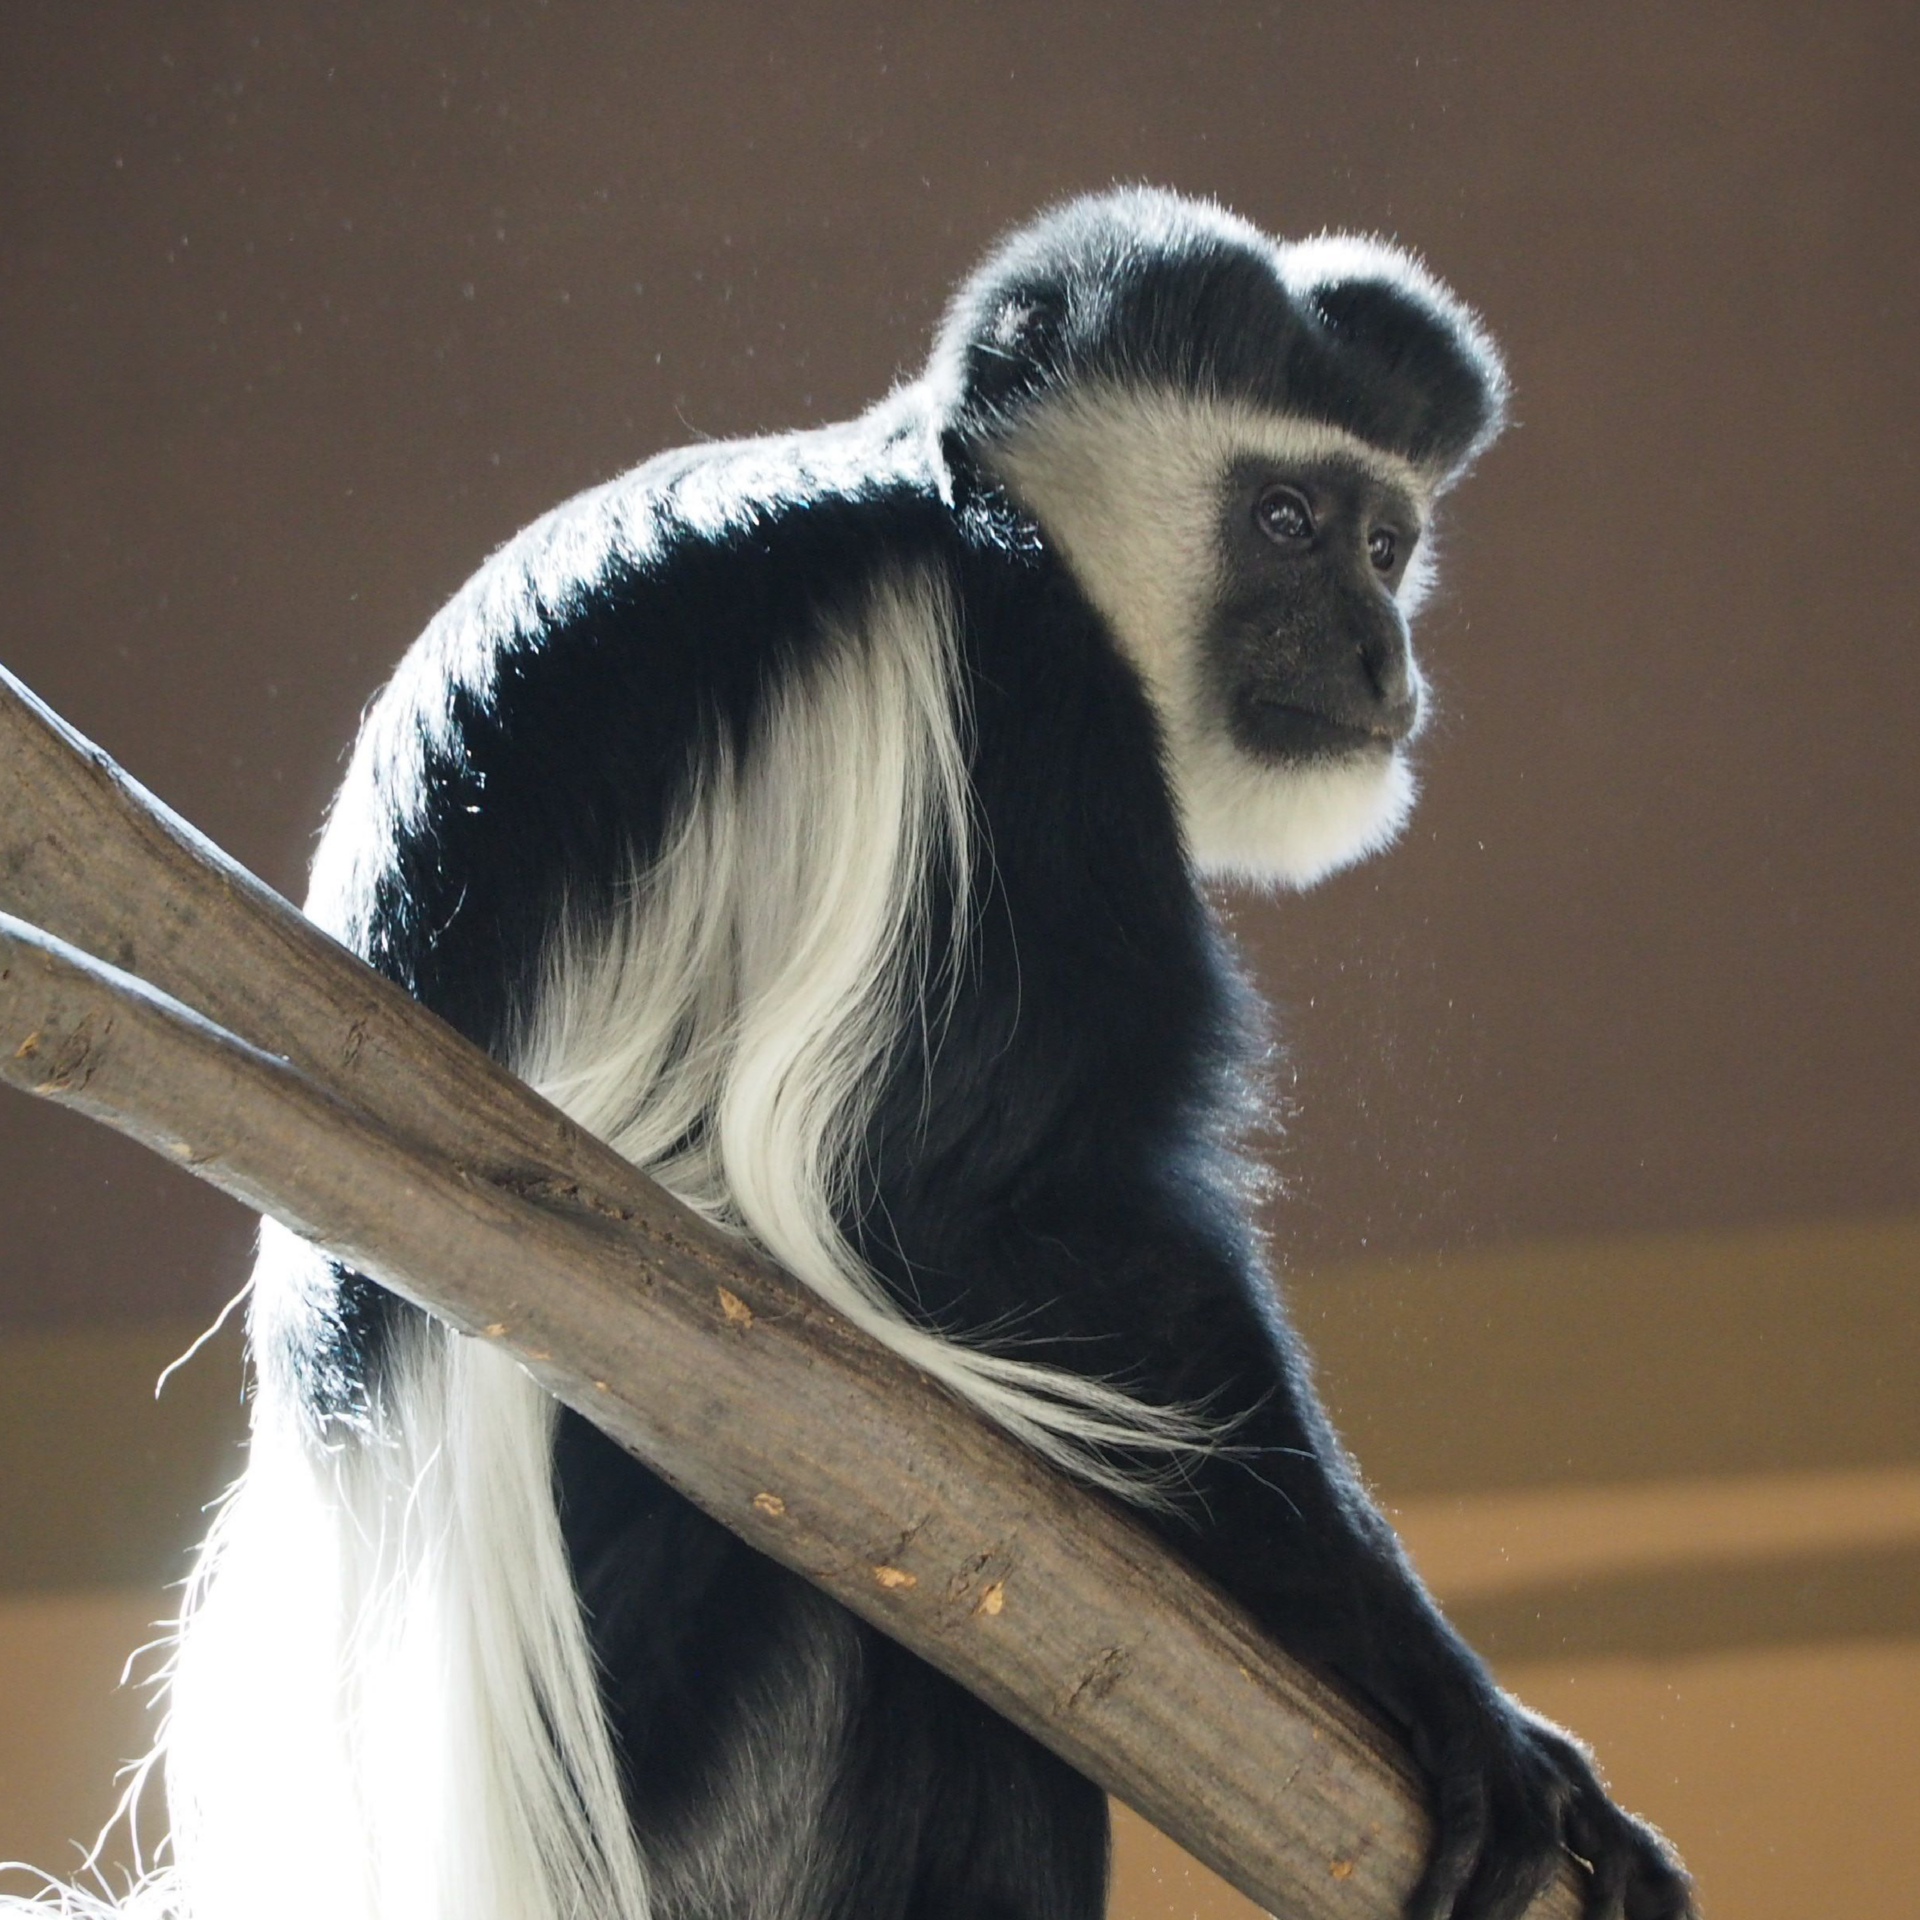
x=290 y=1075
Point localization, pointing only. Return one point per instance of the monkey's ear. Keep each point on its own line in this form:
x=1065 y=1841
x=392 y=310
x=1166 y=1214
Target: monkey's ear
x=1422 y=365
x=1026 y=320
x=1013 y=349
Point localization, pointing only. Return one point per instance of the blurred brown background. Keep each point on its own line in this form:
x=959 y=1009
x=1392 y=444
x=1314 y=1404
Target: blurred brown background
x=1602 y=1192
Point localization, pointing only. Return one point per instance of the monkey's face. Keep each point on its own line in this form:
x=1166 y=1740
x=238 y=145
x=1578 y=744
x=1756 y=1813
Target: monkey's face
x=1258 y=570
x=1308 y=654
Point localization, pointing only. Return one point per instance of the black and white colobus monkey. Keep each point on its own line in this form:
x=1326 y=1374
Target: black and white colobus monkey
x=822 y=821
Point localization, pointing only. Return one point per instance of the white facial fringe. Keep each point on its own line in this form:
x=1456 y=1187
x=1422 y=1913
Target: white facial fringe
x=1127 y=483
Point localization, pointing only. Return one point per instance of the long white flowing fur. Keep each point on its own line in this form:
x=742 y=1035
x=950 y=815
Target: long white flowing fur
x=383 y=1704
x=728 y=1032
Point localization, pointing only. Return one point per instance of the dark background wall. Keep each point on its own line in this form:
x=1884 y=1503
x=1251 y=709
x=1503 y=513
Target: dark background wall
x=1601 y=1172
x=305 y=307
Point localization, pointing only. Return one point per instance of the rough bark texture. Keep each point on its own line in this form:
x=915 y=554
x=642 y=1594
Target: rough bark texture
x=165 y=991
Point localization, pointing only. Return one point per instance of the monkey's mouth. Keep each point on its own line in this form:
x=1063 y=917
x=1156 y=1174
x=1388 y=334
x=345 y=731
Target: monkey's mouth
x=1292 y=732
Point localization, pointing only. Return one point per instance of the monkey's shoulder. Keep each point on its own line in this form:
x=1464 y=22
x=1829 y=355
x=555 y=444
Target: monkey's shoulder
x=538 y=739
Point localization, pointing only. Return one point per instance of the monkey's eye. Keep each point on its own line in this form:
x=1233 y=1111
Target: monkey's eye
x=1282 y=514
x=1383 y=549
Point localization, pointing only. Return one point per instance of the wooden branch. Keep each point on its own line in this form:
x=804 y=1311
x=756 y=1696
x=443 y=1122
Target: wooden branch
x=266 y=1059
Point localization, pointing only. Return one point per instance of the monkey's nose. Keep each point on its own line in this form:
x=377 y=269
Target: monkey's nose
x=1387 y=662
x=1399 y=718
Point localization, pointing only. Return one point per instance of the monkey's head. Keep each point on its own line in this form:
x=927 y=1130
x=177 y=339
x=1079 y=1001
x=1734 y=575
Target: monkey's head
x=1236 y=445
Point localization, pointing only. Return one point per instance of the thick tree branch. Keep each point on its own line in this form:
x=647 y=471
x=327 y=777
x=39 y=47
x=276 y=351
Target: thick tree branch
x=265 y=1058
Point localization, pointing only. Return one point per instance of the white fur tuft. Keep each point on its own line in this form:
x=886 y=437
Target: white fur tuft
x=1293 y=825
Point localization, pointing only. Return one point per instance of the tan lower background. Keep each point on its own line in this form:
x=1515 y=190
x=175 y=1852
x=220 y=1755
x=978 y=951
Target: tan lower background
x=1788 y=1774
x=1712 y=1575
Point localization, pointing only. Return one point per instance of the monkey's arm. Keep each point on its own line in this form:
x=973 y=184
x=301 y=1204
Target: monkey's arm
x=1176 y=1305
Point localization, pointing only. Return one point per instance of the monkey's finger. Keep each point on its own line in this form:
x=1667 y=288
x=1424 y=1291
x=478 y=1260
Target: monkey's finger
x=1459 y=1831
x=1633 y=1875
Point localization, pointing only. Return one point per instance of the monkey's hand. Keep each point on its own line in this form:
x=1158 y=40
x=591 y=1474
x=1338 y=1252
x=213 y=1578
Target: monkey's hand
x=1512 y=1794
